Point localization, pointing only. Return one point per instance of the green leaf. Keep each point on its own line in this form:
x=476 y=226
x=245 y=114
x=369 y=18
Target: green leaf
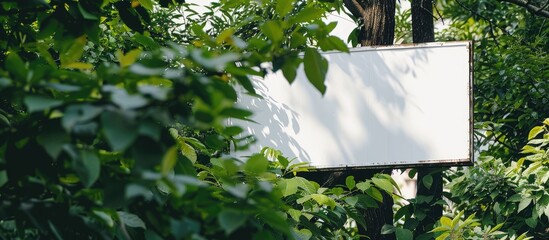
x=356 y=215
x=351 y=200
x=515 y=198
x=119 y=129
x=367 y=201
x=440 y=229
x=306 y=185
x=236 y=113
x=375 y=194
x=129 y=16
x=15 y=65
x=308 y=14
x=127 y=101
x=443 y=236
x=289 y=68
x=74 y=52
x=283 y=161
x=337 y=191
x=363 y=186
x=273 y=31
x=136 y=190
x=86 y=14
x=531 y=222
x=383 y=184
x=524 y=203
x=427 y=181
x=535 y=131
x=188 y=151
x=169 y=160
x=129 y=58
x=446 y=221
x=87 y=167
x=256 y=164
x=333 y=43
x=230 y=220
x=53 y=140
x=387 y=229
x=131 y=220
x=322 y=199
x=3 y=177
x=146 y=41
x=239 y=190
x=39 y=103
x=104 y=217
x=147 y=4
x=350 y=182
x=316 y=68
x=79 y=113
x=78 y=65
x=412 y=173
x=5 y=82
x=403 y=211
x=283 y=7
x=4 y=119
x=303 y=234
x=295 y=214
x=404 y=234
x=288 y=186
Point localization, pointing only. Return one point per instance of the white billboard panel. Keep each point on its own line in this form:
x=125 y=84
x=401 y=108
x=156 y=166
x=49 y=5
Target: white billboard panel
x=384 y=106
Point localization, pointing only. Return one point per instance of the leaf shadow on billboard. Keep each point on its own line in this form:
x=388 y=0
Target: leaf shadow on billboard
x=374 y=112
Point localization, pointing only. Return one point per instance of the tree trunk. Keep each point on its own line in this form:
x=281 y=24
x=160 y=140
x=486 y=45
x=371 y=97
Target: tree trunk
x=376 y=18
x=377 y=21
x=423 y=28
x=423 y=31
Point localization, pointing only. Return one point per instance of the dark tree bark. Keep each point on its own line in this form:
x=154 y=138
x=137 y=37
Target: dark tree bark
x=377 y=18
x=377 y=21
x=423 y=30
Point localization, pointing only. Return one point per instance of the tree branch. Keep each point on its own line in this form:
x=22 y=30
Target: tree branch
x=537 y=10
x=356 y=9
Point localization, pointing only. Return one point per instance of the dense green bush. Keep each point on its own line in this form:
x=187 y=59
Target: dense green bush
x=113 y=122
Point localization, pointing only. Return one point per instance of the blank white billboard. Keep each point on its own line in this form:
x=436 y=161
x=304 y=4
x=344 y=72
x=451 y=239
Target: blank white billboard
x=393 y=106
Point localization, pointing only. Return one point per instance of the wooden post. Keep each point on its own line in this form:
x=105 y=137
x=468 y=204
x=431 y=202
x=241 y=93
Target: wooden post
x=377 y=18
x=423 y=31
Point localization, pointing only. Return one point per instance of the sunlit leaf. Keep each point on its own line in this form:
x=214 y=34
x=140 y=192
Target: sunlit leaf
x=147 y=4
x=256 y=164
x=169 y=160
x=308 y=14
x=350 y=182
x=129 y=58
x=188 y=151
x=383 y=184
x=535 y=131
x=273 y=31
x=315 y=69
x=283 y=7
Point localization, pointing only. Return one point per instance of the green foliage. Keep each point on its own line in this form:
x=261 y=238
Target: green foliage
x=514 y=196
x=114 y=116
x=469 y=228
x=510 y=70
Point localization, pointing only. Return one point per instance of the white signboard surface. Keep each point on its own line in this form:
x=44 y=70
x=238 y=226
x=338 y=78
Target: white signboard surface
x=384 y=106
